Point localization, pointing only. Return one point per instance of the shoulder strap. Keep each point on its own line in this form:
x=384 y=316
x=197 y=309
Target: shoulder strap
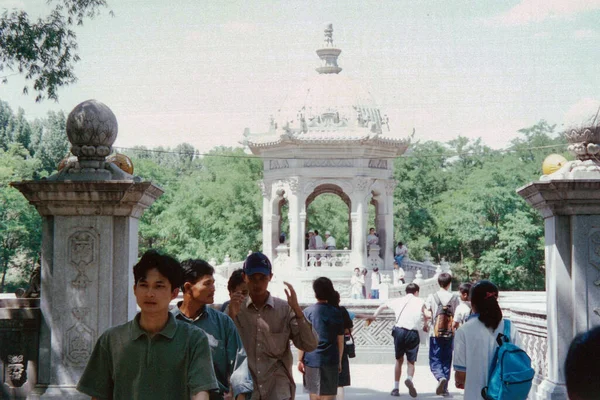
x=507 y=329
x=401 y=311
x=437 y=300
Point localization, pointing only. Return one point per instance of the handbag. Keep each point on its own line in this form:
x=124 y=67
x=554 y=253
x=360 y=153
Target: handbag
x=349 y=346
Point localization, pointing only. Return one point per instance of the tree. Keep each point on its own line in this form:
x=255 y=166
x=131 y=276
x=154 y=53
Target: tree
x=20 y=224
x=45 y=50
x=54 y=143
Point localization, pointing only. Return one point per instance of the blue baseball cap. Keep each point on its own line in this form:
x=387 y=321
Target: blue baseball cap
x=257 y=263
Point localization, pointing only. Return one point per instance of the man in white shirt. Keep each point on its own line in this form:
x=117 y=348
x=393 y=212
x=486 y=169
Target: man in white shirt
x=400 y=252
x=319 y=241
x=329 y=241
x=372 y=238
x=409 y=311
x=441 y=343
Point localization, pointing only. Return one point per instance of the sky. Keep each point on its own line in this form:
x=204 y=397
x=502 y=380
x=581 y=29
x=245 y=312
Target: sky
x=200 y=71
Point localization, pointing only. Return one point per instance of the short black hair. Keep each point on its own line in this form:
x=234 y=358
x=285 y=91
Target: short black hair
x=236 y=279
x=193 y=270
x=464 y=288
x=581 y=366
x=166 y=265
x=316 y=232
x=444 y=279
x=400 y=244
x=412 y=288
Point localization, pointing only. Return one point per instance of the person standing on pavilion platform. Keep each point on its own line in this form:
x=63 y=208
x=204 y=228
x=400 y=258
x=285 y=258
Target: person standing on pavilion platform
x=153 y=356
x=330 y=243
x=319 y=241
x=266 y=325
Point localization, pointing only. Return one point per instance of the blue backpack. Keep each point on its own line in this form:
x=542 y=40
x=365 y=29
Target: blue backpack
x=510 y=374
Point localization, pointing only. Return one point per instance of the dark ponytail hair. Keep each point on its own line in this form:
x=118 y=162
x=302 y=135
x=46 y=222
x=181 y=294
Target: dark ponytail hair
x=484 y=299
x=324 y=290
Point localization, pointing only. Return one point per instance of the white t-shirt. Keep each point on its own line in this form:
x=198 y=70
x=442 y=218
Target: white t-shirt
x=375 y=281
x=319 y=242
x=412 y=316
x=462 y=312
x=445 y=297
x=474 y=347
x=330 y=242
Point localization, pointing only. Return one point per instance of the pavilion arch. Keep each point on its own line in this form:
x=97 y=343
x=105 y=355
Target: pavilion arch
x=334 y=188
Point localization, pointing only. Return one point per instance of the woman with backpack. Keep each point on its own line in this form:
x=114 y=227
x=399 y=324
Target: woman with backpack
x=476 y=341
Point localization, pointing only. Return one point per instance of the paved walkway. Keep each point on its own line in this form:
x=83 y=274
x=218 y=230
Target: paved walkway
x=375 y=382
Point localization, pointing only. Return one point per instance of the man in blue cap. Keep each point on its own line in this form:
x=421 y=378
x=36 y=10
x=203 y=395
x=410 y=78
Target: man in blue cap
x=266 y=325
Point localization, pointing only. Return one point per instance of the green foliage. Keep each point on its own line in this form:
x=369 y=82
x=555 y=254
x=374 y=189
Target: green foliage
x=464 y=207
x=20 y=233
x=455 y=201
x=45 y=50
x=212 y=205
x=328 y=212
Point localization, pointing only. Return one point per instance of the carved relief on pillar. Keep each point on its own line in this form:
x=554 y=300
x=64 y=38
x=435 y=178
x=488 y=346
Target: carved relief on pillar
x=294 y=184
x=594 y=251
x=79 y=339
x=289 y=185
x=361 y=184
x=16 y=369
x=265 y=188
x=83 y=255
x=390 y=185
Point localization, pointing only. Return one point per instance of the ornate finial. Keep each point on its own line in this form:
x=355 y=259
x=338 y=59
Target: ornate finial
x=329 y=35
x=92 y=129
x=329 y=54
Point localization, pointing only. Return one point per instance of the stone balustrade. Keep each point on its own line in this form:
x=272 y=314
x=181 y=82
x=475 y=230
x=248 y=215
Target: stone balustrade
x=328 y=258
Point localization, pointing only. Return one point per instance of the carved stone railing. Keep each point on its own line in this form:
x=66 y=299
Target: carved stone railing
x=534 y=340
x=328 y=258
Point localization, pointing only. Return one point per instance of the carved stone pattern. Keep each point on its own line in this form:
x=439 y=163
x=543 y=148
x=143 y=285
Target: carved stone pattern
x=343 y=163
x=278 y=164
x=265 y=188
x=379 y=333
x=390 y=185
x=17 y=370
x=79 y=339
x=293 y=184
x=13 y=346
x=361 y=184
x=594 y=248
x=82 y=255
x=378 y=164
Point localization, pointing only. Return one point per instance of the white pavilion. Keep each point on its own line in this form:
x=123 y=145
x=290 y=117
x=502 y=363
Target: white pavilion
x=328 y=137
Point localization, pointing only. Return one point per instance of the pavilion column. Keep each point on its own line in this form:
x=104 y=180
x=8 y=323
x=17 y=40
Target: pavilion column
x=296 y=207
x=385 y=229
x=359 y=216
x=267 y=222
x=569 y=201
x=90 y=216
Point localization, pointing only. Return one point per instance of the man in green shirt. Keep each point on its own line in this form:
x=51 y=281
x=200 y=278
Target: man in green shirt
x=227 y=350
x=154 y=356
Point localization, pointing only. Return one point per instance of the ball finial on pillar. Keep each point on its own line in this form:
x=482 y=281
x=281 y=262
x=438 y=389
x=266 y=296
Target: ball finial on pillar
x=92 y=129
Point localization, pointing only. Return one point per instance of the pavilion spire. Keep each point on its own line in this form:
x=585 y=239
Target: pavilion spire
x=329 y=54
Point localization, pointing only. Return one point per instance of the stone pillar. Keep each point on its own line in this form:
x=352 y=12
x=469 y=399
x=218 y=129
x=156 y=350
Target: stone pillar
x=359 y=217
x=267 y=247
x=90 y=212
x=569 y=201
x=296 y=235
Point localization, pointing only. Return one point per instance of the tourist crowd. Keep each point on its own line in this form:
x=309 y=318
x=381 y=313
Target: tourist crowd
x=243 y=351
